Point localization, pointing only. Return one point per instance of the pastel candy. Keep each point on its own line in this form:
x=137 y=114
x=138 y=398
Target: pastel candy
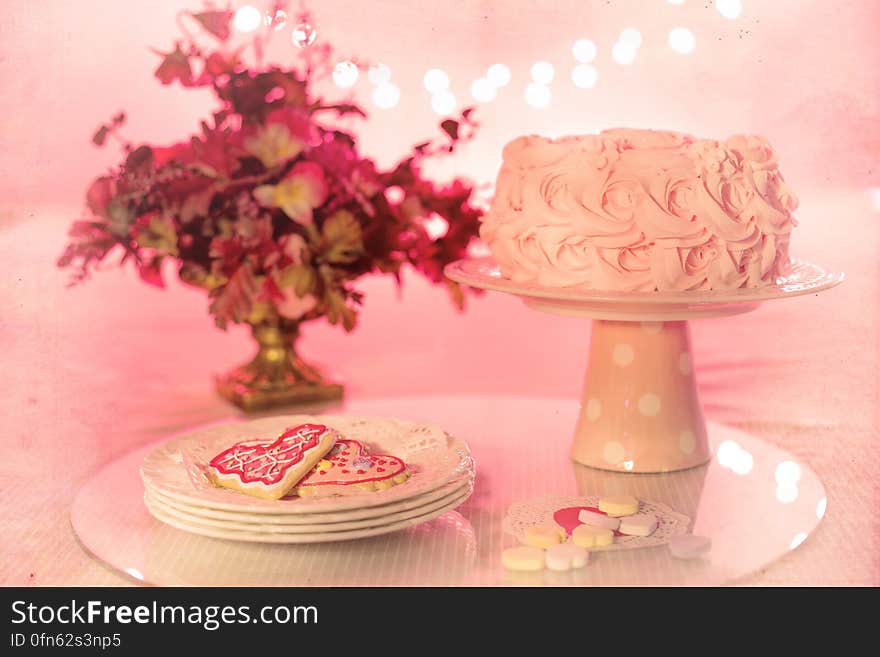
x=688 y=546
x=640 y=525
x=523 y=557
x=566 y=556
x=543 y=536
x=598 y=519
x=619 y=505
x=586 y=536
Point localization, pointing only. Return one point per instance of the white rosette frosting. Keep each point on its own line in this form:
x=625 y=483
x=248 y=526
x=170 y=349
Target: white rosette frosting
x=640 y=210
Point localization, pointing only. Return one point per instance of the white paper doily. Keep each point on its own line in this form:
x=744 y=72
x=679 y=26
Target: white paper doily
x=530 y=513
x=177 y=468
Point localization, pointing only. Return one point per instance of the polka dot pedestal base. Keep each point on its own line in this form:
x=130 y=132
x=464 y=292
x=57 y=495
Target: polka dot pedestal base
x=640 y=411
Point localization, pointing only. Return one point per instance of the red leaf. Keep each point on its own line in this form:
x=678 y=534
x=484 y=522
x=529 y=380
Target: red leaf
x=234 y=301
x=174 y=66
x=139 y=160
x=215 y=22
x=271 y=291
x=100 y=135
x=151 y=272
x=99 y=194
x=450 y=127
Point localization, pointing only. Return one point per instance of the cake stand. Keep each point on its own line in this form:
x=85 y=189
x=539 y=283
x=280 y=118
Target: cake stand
x=639 y=409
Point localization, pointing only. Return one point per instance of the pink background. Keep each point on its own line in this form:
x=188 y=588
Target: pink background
x=803 y=72
x=92 y=371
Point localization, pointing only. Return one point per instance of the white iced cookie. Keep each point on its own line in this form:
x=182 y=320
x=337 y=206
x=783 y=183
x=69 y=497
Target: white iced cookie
x=640 y=525
x=543 y=536
x=566 y=556
x=619 y=505
x=586 y=536
x=598 y=520
x=688 y=546
x=523 y=558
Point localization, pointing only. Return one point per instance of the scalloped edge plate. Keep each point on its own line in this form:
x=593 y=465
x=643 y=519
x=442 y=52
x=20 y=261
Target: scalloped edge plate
x=322 y=537
x=173 y=468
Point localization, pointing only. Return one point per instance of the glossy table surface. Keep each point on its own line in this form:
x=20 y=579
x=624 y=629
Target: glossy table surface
x=94 y=372
x=520 y=448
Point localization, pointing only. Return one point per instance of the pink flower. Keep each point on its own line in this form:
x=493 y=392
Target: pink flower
x=294 y=247
x=303 y=189
x=293 y=306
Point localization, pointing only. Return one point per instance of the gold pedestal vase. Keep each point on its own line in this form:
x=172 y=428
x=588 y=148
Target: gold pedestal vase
x=276 y=376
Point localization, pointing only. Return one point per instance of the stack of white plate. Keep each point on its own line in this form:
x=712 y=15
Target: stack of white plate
x=178 y=492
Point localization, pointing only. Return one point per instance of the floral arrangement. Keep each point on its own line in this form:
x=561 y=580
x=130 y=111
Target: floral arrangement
x=271 y=207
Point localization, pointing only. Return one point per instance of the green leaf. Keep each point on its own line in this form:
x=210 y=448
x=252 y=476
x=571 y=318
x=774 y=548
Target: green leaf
x=120 y=217
x=160 y=234
x=342 y=238
x=338 y=311
x=301 y=278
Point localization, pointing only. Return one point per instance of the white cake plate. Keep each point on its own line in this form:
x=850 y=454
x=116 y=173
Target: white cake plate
x=639 y=407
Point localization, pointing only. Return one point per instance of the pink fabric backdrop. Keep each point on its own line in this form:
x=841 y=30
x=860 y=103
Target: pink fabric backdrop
x=91 y=372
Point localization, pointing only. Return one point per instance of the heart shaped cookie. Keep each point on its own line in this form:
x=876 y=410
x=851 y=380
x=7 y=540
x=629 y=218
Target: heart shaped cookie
x=270 y=469
x=349 y=463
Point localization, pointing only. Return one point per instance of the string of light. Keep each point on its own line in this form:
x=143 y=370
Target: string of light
x=484 y=89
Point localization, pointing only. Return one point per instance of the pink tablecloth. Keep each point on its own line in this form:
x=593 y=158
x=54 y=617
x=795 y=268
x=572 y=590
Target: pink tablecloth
x=94 y=371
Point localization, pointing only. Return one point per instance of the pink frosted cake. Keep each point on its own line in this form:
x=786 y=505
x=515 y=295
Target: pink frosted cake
x=640 y=210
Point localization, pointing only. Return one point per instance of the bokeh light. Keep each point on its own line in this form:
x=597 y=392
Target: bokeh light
x=345 y=74
x=247 y=19
x=543 y=72
x=623 y=53
x=726 y=451
x=537 y=95
x=303 y=35
x=443 y=103
x=743 y=463
x=483 y=91
x=379 y=73
x=498 y=75
x=386 y=95
x=584 y=76
x=631 y=36
x=729 y=8
x=682 y=40
x=394 y=195
x=436 y=226
x=584 y=51
x=436 y=80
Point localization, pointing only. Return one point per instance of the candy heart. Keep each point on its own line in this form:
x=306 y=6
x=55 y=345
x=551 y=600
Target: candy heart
x=271 y=469
x=352 y=465
x=567 y=518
